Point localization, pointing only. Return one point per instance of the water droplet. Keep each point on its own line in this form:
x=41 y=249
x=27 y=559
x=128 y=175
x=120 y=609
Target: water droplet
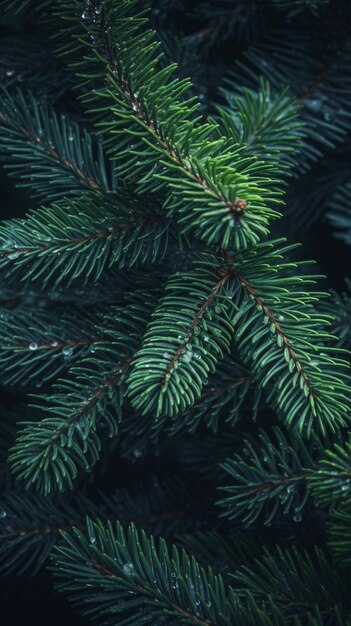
x=297 y=517
x=314 y=105
x=281 y=318
x=13 y=256
x=218 y=308
x=3 y=514
x=166 y=355
x=92 y=349
x=206 y=338
x=328 y=117
x=33 y=346
x=67 y=351
x=129 y=569
x=137 y=453
x=290 y=488
x=70 y=134
x=84 y=15
x=10 y=72
x=187 y=357
x=92 y=540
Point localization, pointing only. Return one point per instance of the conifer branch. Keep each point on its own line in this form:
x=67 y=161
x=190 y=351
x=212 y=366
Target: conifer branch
x=130 y=566
x=84 y=408
x=82 y=239
x=169 y=370
x=34 y=139
x=282 y=318
x=169 y=148
x=36 y=347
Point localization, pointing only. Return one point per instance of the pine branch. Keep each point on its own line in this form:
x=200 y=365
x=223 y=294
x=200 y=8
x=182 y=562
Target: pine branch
x=130 y=571
x=79 y=240
x=299 y=581
x=224 y=552
x=264 y=120
x=189 y=333
x=330 y=482
x=35 y=347
x=312 y=77
x=217 y=193
x=268 y=477
x=228 y=394
x=27 y=59
x=30 y=524
x=277 y=474
x=85 y=408
x=38 y=145
x=340 y=535
x=280 y=334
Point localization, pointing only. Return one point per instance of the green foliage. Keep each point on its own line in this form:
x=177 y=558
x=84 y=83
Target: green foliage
x=36 y=347
x=33 y=64
x=38 y=145
x=299 y=581
x=156 y=139
x=331 y=480
x=81 y=239
x=228 y=394
x=266 y=122
x=340 y=535
x=85 y=408
x=224 y=552
x=30 y=524
x=267 y=477
x=134 y=578
x=190 y=331
x=276 y=320
x=280 y=334
x=311 y=76
x=172 y=327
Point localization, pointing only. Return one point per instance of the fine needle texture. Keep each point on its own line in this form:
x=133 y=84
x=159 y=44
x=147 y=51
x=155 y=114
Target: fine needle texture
x=175 y=312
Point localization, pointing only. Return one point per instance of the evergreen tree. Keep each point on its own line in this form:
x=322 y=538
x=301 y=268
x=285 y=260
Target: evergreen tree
x=176 y=395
